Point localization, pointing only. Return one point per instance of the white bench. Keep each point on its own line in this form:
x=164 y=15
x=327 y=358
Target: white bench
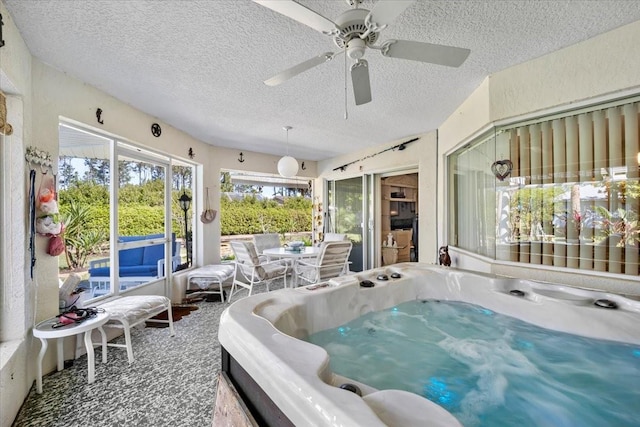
x=205 y=277
x=127 y=312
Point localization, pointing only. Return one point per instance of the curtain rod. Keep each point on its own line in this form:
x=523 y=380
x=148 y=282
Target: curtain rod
x=398 y=147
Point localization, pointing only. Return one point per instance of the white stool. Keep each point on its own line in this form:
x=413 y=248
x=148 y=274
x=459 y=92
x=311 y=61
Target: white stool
x=213 y=274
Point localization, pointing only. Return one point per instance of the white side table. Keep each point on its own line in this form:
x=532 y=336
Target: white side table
x=45 y=331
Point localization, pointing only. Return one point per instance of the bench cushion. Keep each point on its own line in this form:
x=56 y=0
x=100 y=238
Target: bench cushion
x=215 y=272
x=133 y=309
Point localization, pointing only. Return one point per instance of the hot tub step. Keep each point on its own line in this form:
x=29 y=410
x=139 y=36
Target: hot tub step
x=230 y=410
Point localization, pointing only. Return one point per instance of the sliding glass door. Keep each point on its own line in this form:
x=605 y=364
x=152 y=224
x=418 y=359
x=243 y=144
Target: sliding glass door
x=349 y=212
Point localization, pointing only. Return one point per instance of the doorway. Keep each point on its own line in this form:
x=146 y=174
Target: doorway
x=369 y=209
x=399 y=218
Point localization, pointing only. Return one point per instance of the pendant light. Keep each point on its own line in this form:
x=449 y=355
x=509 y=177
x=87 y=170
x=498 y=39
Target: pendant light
x=287 y=166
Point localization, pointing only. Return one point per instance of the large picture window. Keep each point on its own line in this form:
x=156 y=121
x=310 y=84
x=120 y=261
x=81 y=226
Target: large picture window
x=562 y=191
x=121 y=233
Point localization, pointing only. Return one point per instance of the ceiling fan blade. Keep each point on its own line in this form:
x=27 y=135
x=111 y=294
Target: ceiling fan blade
x=384 y=12
x=300 y=68
x=302 y=14
x=425 y=52
x=360 y=81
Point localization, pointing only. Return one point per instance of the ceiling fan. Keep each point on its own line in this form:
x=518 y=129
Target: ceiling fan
x=356 y=30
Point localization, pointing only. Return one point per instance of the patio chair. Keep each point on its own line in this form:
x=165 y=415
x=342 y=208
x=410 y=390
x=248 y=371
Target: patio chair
x=254 y=270
x=403 y=239
x=266 y=241
x=333 y=261
x=334 y=237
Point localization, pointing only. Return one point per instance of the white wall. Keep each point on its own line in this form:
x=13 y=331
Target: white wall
x=602 y=65
x=601 y=68
x=16 y=289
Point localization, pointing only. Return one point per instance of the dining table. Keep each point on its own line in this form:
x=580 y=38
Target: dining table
x=295 y=255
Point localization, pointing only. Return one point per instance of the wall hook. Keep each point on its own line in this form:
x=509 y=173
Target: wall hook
x=303 y=167
x=191 y=153
x=99 y=116
x=241 y=159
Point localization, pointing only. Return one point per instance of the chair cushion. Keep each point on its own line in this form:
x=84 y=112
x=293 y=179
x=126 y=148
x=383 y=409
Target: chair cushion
x=100 y=272
x=153 y=254
x=128 y=257
x=247 y=259
x=126 y=271
x=271 y=271
x=138 y=270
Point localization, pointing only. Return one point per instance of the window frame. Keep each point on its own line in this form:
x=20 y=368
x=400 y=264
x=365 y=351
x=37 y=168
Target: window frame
x=121 y=147
x=492 y=131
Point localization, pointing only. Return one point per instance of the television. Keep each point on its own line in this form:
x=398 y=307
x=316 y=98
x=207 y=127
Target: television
x=401 y=223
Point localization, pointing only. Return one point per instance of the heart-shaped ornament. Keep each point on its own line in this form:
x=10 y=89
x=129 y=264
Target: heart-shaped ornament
x=501 y=168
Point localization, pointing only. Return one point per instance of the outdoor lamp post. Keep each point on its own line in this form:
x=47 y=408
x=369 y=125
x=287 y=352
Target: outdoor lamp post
x=185 y=204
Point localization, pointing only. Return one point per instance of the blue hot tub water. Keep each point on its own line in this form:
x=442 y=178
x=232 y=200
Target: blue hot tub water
x=489 y=369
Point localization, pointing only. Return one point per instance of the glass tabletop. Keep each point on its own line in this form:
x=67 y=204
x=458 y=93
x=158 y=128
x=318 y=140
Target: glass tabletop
x=306 y=251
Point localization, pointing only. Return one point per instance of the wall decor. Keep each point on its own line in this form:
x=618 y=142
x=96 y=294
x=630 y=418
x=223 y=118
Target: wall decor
x=241 y=158
x=99 y=116
x=443 y=256
x=502 y=168
x=191 y=153
x=156 y=130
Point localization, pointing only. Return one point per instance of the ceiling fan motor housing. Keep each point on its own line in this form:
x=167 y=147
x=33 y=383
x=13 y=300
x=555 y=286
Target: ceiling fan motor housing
x=352 y=26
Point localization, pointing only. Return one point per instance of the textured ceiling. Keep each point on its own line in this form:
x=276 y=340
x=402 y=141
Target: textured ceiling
x=199 y=64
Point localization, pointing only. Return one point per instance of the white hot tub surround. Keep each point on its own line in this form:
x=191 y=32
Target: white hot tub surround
x=262 y=333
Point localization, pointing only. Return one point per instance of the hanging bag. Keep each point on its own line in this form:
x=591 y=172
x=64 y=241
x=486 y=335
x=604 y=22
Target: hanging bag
x=56 y=245
x=208 y=215
x=48 y=222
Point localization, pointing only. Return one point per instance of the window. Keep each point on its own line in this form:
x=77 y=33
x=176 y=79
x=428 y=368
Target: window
x=570 y=197
x=121 y=234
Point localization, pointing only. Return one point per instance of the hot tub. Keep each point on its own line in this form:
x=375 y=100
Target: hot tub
x=287 y=381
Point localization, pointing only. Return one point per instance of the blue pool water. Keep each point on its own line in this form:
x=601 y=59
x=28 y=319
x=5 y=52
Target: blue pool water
x=488 y=369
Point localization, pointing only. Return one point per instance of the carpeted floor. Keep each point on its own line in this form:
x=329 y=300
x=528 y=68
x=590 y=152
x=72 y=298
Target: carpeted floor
x=171 y=382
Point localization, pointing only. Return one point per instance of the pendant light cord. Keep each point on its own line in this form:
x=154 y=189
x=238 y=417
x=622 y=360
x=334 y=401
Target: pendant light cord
x=287 y=128
x=346 y=113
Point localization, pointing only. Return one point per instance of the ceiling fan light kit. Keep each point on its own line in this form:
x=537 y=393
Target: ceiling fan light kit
x=353 y=32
